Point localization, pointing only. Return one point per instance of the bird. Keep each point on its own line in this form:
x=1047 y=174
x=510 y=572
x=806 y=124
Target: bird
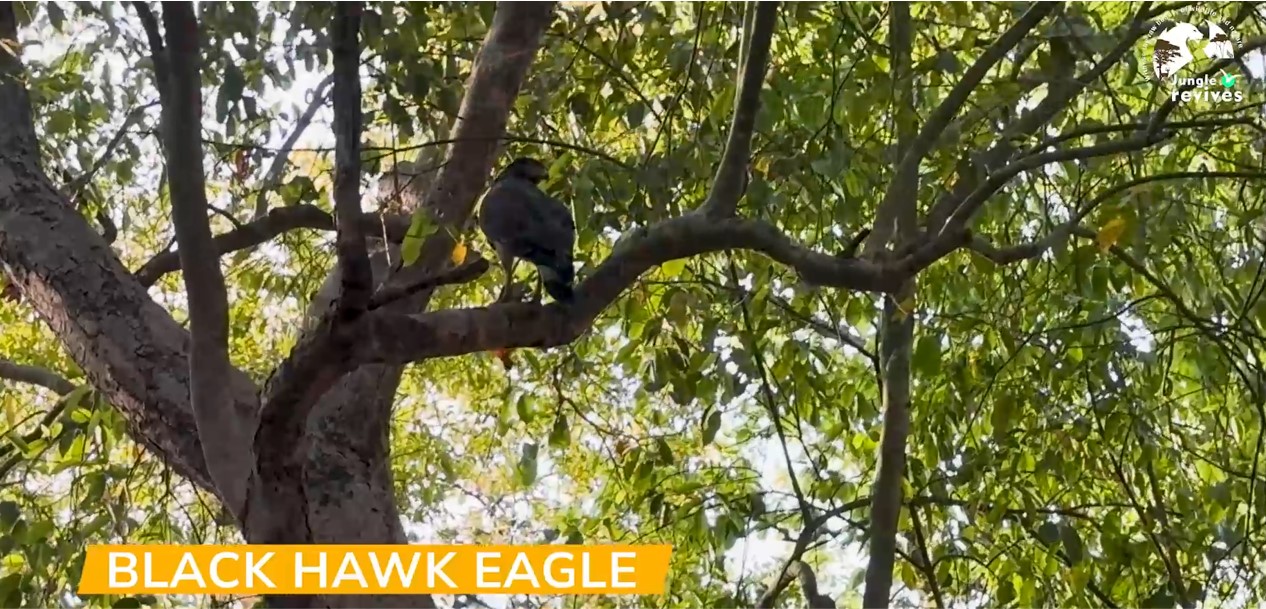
x=521 y=221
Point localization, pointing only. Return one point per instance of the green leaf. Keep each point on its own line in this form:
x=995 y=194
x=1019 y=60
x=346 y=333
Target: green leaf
x=1004 y=412
x=95 y=525
x=56 y=16
x=230 y=90
x=1049 y=533
x=9 y=514
x=560 y=433
x=10 y=586
x=523 y=408
x=664 y=452
x=908 y=575
x=927 y=356
x=420 y=227
x=1072 y=543
x=527 y=463
x=1161 y=599
x=60 y=121
x=711 y=426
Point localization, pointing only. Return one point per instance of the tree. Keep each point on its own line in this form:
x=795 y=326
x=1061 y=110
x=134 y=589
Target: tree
x=987 y=295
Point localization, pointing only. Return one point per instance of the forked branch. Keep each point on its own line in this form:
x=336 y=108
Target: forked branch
x=220 y=428
x=353 y=257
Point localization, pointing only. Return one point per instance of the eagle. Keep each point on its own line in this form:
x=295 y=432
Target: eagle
x=521 y=221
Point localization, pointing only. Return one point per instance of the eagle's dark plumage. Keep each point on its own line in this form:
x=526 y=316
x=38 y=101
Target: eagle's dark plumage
x=521 y=221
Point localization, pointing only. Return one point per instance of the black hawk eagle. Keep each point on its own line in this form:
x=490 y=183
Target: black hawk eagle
x=521 y=221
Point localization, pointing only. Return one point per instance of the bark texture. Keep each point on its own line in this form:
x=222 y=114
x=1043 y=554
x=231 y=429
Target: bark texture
x=896 y=330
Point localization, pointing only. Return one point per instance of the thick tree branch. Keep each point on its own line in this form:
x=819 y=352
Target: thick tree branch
x=731 y=176
x=896 y=332
x=399 y=339
x=295 y=387
x=278 y=167
x=353 y=257
x=220 y=430
x=500 y=68
x=813 y=598
x=884 y=227
x=35 y=375
x=18 y=133
x=132 y=351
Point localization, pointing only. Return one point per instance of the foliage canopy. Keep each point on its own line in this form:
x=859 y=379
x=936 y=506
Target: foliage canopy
x=1086 y=412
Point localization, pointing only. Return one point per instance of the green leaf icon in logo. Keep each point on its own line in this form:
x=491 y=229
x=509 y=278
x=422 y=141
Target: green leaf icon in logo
x=1228 y=80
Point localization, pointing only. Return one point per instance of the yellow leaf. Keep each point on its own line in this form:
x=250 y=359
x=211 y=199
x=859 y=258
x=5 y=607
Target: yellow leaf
x=459 y=252
x=673 y=268
x=1110 y=233
x=762 y=165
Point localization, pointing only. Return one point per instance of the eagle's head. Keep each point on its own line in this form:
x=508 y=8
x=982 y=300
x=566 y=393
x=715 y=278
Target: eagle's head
x=526 y=168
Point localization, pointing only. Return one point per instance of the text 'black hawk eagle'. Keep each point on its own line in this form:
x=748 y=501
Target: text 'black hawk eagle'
x=521 y=221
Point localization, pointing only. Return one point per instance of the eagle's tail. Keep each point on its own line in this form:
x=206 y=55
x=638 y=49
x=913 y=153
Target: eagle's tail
x=557 y=279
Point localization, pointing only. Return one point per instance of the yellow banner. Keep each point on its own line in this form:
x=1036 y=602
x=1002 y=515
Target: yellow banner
x=375 y=569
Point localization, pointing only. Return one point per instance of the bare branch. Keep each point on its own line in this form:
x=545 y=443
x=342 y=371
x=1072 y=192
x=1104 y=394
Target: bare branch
x=1060 y=234
x=825 y=329
x=133 y=351
x=223 y=439
x=278 y=167
x=35 y=375
x=1135 y=127
x=885 y=214
x=1029 y=123
x=955 y=234
x=731 y=176
x=813 y=598
x=75 y=188
x=926 y=564
x=791 y=568
x=276 y=222
x=149 y=23
x=353 y=257
x=997 y=180
x=463 y=274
